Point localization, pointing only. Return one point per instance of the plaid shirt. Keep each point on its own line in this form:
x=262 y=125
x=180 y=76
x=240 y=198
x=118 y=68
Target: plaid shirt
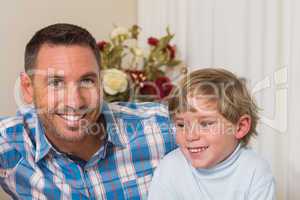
x=138 y=136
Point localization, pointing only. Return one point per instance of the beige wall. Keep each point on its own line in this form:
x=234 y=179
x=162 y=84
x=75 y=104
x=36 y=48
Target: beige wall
x=20 y=19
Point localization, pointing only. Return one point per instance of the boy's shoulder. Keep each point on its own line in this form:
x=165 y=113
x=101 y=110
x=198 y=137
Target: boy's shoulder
x=174 y=161
x=252 y=160
x=248 y=158
x=251 y=155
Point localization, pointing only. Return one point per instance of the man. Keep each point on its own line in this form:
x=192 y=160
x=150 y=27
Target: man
x=70 y=144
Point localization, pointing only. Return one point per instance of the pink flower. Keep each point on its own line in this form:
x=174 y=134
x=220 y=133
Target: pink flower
x=153 y=41
x=101 y=45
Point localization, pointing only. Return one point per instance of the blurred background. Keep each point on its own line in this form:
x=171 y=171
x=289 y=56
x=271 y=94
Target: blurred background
x=256 y=39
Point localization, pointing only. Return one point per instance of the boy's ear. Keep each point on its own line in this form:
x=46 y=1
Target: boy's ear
x=26 y=88
x=243 y=126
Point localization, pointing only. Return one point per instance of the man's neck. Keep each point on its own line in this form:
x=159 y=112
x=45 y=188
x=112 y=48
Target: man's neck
x=83 y=149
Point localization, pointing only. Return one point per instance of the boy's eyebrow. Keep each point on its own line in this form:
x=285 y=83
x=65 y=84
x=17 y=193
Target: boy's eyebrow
x=201 y=117
x=178 y=118
x=206 y=117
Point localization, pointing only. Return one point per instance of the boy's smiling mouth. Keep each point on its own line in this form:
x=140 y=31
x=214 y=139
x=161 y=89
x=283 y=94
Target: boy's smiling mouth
x=197 y=149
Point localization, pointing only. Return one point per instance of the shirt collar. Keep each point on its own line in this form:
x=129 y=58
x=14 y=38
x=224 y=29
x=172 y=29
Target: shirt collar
x=43 y=146
x=112 y=128
x=222 y=167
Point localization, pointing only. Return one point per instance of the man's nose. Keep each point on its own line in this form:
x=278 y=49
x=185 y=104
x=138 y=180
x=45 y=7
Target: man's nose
x=74 y=98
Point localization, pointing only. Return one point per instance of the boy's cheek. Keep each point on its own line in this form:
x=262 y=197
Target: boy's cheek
x=180 y=140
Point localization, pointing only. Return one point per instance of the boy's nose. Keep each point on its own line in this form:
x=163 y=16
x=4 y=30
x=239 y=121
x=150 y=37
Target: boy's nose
x=192 y=134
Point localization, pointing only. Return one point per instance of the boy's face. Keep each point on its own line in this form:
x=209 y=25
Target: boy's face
x=205 y=137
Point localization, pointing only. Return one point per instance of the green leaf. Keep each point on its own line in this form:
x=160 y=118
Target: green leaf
x=135 y=31
x=173 y=63
x=164 y=41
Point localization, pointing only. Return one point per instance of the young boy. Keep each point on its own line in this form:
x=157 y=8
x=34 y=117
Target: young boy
x=215 y=117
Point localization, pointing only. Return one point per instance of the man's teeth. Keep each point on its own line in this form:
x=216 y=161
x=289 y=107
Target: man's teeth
x=72 y=117
x=198 y=149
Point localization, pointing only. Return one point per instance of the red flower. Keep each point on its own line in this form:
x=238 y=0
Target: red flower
x=101 y=45
x=161 y=87
x=165 y=86
x=172 y=51
x=149 y=88
x=153 y=41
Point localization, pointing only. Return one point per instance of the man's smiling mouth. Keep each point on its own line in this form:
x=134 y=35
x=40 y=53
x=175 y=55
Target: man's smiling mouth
x=72 y=117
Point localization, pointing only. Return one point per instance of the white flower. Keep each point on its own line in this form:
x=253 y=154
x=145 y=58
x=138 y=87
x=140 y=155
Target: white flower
x=114 y=81
x=138 y=52
x=118 y=31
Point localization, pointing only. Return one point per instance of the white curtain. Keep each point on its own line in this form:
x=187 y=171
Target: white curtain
x=256 y=39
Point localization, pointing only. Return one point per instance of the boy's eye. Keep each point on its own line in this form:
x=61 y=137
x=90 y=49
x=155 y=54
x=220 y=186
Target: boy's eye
x=206 y=124
x=87 y=83
x=56 y=83
x=180 y=124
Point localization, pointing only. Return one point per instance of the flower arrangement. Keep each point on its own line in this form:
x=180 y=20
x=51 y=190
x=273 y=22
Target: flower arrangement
x=131 y=73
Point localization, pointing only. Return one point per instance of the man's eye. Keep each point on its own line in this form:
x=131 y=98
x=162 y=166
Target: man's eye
x=56 y=83
x=87 y=83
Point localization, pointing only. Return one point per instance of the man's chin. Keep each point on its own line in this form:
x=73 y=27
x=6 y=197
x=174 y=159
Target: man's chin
x=70 y=134
x=66 y=130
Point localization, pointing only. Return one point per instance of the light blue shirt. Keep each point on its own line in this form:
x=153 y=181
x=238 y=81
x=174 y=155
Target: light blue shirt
x=243 y=175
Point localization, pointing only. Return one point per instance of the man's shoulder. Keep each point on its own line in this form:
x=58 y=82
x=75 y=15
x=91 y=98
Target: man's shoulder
x=10 y=125
x=13 y=130
x=142 y=110
x=23 y=114
x=11 y=140
x=144 y=123
x=150 y=117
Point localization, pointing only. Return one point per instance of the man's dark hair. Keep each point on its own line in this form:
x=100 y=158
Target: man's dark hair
x=59 y=34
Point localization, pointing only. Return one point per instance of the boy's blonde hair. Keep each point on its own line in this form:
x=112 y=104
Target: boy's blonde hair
x=221 y=86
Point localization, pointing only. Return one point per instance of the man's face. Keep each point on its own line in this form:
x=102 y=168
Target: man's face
x=66 y=90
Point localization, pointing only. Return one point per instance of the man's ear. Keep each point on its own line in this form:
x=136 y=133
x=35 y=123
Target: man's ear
x=243 y=126
x=26 y=88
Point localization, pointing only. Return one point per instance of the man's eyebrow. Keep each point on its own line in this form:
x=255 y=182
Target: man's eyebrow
x=55 y=76
x=89 y=75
